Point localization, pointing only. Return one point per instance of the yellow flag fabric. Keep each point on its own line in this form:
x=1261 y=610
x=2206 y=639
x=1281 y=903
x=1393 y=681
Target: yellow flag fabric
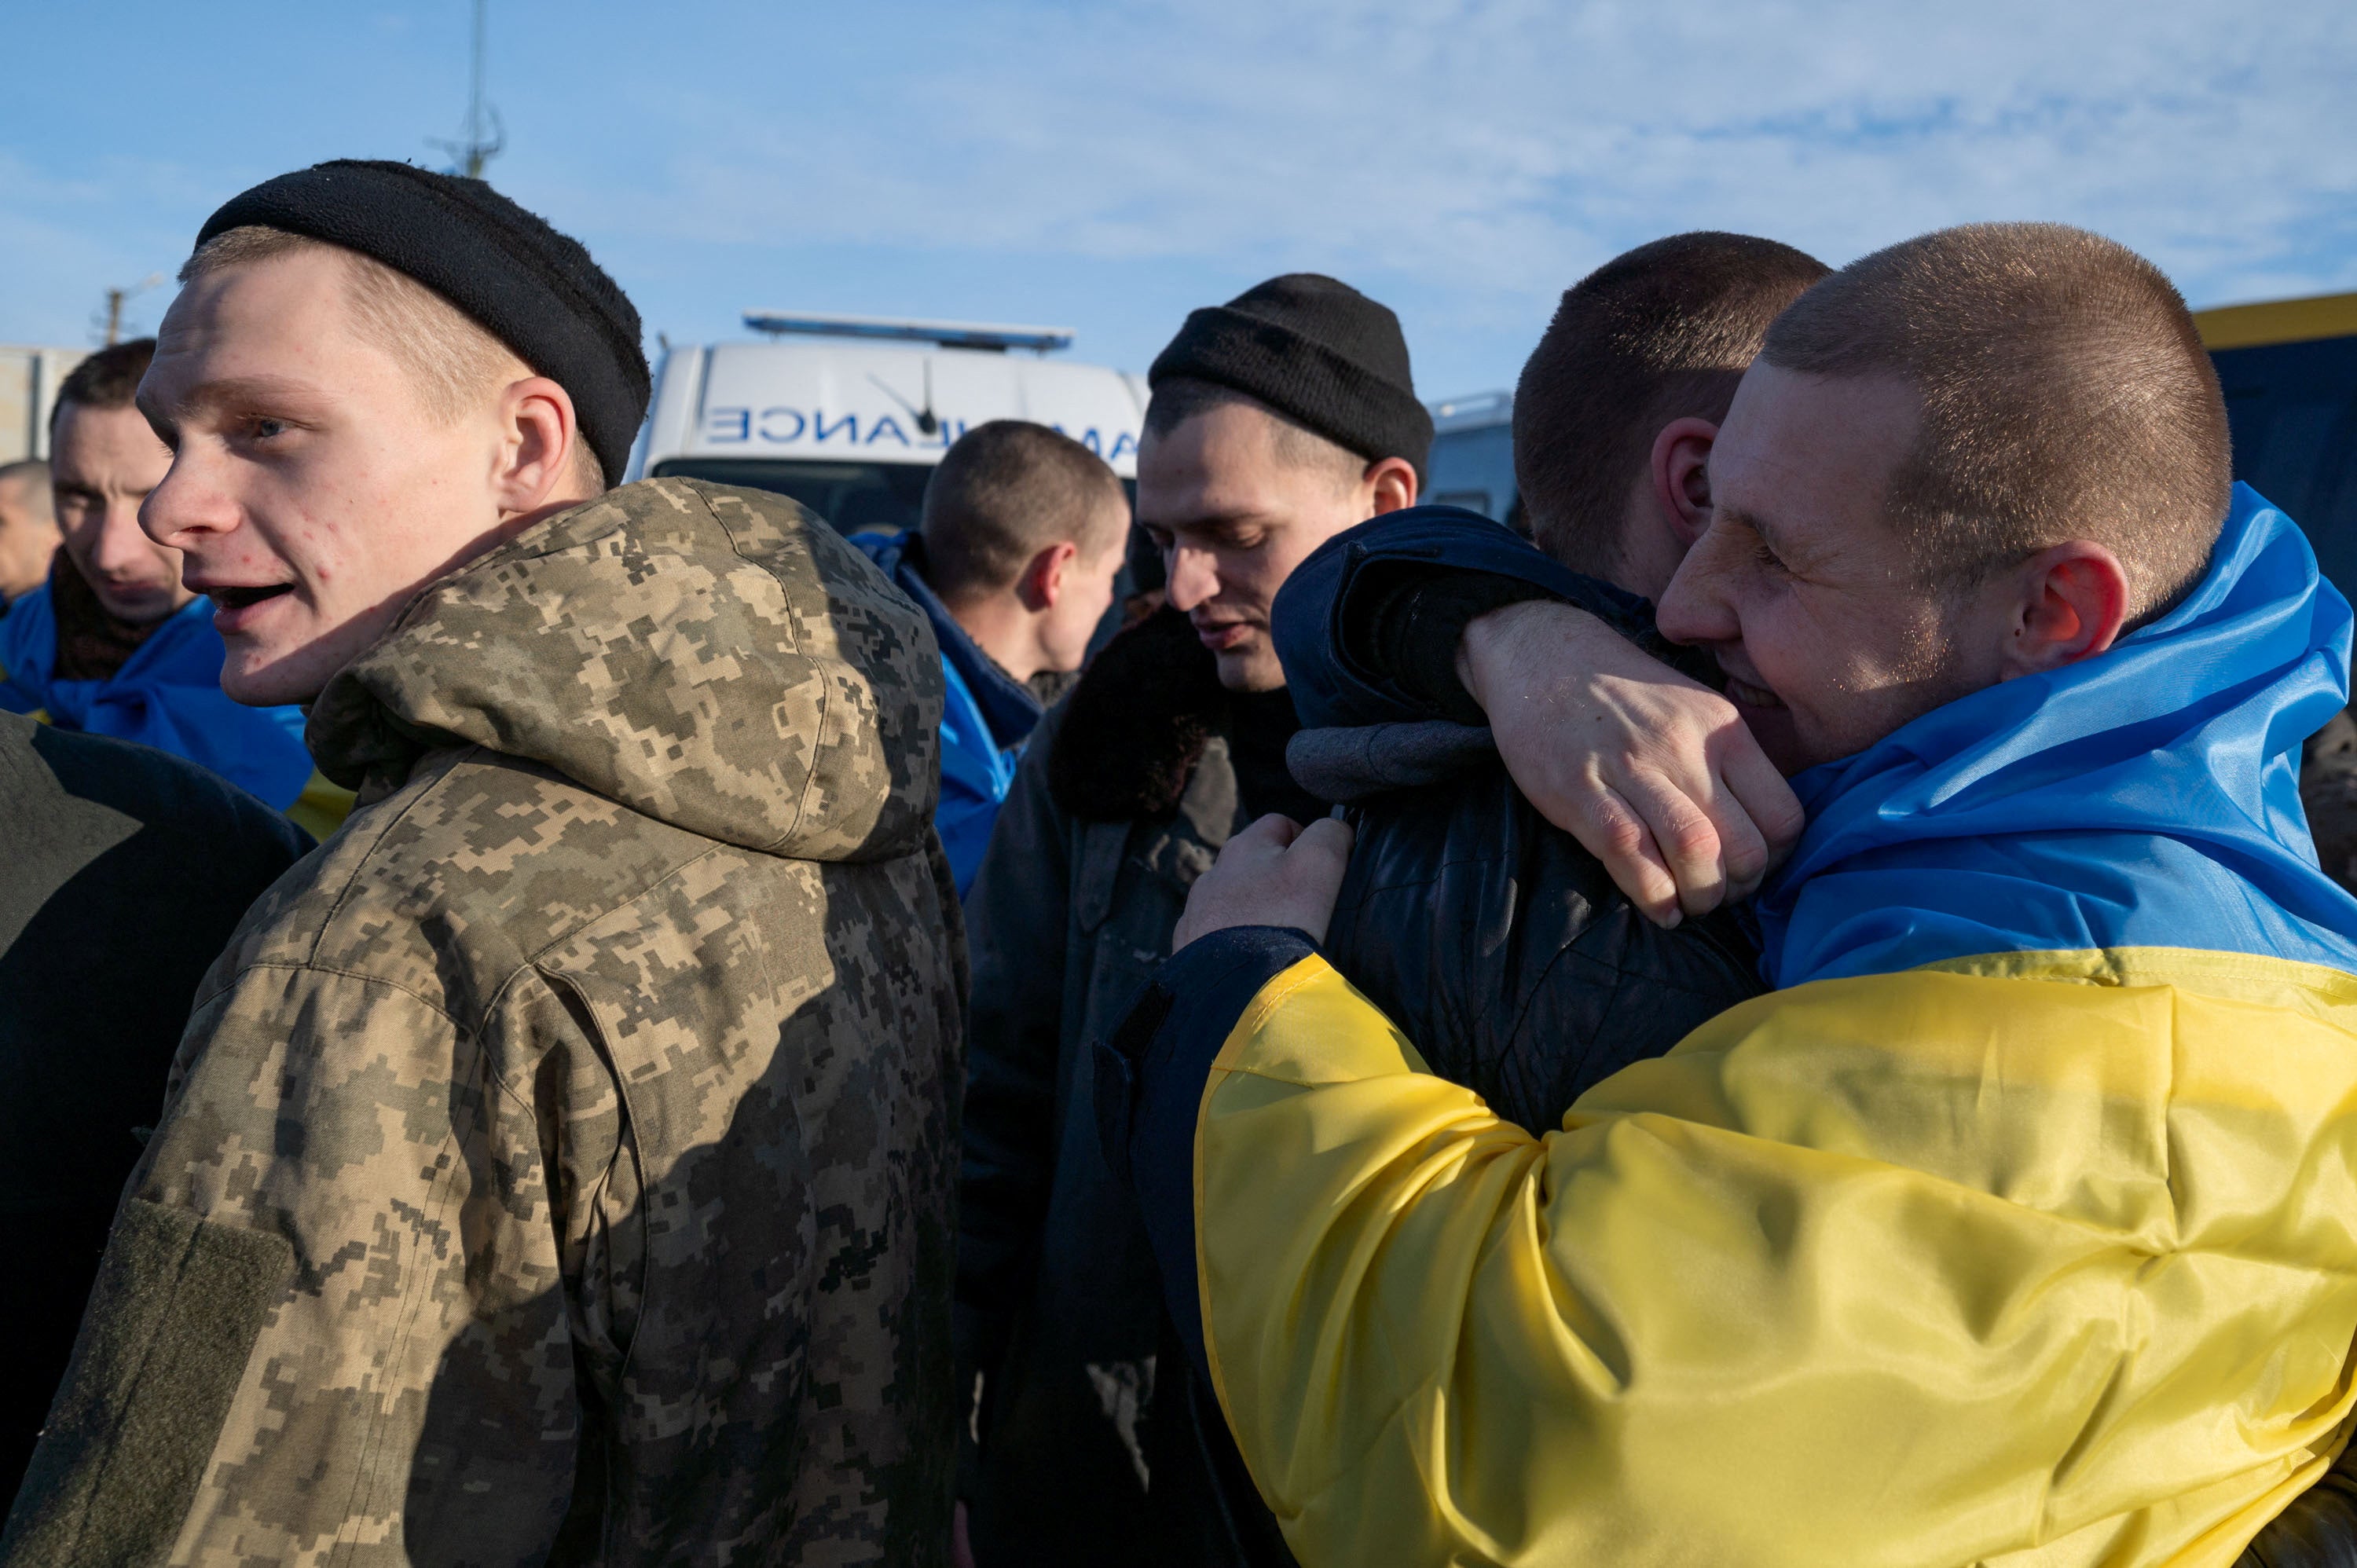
x=2037 y=1259
x=322 y=807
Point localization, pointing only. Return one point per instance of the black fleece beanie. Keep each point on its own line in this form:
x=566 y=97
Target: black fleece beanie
x=532 y=288
x=1317 y=351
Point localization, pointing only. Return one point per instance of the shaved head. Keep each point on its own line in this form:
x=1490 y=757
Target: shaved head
x=2065 y=395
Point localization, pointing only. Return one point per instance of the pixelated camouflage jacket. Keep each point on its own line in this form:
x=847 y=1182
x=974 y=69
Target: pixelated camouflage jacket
x=559 y=1163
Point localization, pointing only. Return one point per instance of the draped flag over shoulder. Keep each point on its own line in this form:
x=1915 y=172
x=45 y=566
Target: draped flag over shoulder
x=2019 y=1228
x=2149 y=796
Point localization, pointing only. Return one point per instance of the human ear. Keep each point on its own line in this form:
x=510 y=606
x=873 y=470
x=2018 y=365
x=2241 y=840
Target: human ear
x=537 y=437
x=1044 y=580
x=1390 y=485
x=1681 y=469
x=2072 y=600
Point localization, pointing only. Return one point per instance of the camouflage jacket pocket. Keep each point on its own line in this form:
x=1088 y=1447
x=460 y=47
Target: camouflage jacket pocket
x=178 y=1309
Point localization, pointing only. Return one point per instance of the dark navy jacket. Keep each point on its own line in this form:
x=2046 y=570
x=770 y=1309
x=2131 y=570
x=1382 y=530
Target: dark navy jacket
x=1323 y=615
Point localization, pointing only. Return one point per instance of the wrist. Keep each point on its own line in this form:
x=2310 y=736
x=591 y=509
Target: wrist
x=1486 y=653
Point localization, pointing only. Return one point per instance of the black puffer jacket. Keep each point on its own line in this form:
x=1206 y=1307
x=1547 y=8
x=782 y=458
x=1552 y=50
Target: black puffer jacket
x=1496 y=942
x=1502 y=949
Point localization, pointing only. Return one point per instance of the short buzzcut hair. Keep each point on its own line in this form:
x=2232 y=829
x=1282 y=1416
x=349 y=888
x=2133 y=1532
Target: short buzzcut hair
x=1657 y=334
x=2065 y=395
x=1178 y=399
x=1005 y=492
x=450 y=359
x=107 y=378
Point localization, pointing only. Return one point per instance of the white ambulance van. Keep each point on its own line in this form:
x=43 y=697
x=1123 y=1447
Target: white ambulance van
x=849 y=413
x=1472 y=463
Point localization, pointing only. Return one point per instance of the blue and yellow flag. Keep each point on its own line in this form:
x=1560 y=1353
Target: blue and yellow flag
x=2020 y=1228
x=2146 y=798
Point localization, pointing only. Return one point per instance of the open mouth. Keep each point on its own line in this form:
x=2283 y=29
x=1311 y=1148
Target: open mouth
x=239 y=598
x=1225 y=634
x=1751 y=696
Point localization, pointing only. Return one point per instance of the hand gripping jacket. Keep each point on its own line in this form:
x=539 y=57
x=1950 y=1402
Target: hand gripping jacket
x=2020 y=1228
x=1490 y=936
x=559 y=1164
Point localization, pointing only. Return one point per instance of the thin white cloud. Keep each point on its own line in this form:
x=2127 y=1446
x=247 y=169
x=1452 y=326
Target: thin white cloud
x=1494 y=147
x=1463 y=158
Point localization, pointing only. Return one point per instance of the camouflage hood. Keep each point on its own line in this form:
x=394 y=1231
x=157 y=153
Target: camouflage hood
x=672 y=646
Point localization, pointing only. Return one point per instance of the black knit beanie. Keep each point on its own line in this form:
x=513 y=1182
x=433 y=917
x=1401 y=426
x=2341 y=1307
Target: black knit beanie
x=532 y=288
x=1317 y=351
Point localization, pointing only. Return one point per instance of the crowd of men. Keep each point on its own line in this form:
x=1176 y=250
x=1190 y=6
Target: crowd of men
x=1792 y=1015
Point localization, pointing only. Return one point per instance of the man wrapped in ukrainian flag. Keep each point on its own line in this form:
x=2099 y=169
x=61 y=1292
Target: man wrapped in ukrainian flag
x=2018 y=1226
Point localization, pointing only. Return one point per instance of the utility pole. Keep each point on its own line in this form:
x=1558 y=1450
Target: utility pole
x=482 y=136
x=114 y=298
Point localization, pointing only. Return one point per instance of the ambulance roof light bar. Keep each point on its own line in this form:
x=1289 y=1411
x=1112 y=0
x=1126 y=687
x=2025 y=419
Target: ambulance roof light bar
x=950 y=334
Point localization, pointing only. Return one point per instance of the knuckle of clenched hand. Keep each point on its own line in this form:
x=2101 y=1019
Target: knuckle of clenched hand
x=1693 y=837
x=1623 y=837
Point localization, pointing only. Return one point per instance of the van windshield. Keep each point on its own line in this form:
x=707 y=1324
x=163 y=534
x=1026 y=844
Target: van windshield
x=1473 y=468
x=858 y=498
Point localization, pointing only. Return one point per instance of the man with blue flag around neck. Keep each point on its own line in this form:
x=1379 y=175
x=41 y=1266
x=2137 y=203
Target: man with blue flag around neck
x=113 y=643
x=1014 y=565
x=2020 y=1225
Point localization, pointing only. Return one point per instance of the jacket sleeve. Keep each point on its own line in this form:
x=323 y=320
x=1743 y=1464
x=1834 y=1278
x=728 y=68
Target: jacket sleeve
x=1709 y=1319
x=337 y=1303
x=1357 y=624
x=1017 y=919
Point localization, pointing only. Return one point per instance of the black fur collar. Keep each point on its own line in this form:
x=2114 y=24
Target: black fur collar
x=1135 y=726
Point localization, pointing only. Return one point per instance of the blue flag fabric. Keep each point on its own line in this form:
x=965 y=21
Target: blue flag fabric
x=2147 y=796
x=986 y=715
x=168 y=695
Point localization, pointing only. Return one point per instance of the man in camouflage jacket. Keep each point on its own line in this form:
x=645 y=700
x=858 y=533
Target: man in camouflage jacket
x=557 y=1165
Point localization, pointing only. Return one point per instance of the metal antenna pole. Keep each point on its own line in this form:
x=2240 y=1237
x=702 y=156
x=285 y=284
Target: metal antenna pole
x=482 y=136
x=475 y=156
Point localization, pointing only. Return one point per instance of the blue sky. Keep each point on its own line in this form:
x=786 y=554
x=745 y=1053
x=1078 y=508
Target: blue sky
x=1109 y=166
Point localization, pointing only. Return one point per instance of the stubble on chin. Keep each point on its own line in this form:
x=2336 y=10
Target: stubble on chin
x=1251 y=669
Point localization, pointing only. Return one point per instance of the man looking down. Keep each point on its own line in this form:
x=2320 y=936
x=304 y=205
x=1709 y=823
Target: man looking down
x=1023 y=534
x=2021 y=1221
x=1278 y=421
x=557 y=1164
